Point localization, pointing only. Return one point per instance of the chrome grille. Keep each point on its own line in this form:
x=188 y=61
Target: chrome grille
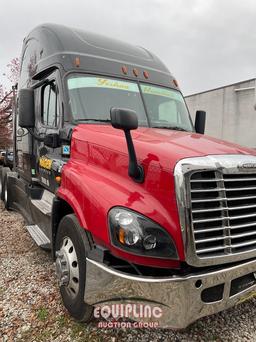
x=223 y=212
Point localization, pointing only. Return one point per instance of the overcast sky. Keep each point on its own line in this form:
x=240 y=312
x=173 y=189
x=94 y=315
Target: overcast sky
x=204 y=43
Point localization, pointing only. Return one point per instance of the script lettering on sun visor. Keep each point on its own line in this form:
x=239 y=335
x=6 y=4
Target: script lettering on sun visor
x=171 y=94
x=99 y=82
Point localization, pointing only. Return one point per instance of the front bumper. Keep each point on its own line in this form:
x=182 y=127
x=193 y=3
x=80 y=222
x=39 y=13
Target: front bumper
x=182 y=299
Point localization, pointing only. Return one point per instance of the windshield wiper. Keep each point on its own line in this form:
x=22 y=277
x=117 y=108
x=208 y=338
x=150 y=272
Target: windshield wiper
x=176 y=128
x=95 y=120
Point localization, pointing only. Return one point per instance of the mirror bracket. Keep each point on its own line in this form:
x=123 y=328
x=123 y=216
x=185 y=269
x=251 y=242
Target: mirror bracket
x=52 y=140
x=127 y=120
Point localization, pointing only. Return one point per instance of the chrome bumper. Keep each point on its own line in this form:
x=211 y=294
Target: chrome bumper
x=178 y=297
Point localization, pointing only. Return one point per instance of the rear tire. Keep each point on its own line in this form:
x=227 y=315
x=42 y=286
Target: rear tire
x=1 y=186
x=72 y=246
x=3 y=179
x=6 y=190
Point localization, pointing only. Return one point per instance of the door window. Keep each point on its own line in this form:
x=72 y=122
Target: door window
x=50 y=110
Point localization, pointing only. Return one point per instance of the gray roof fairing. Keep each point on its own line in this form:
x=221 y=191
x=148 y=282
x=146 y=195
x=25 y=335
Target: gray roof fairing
x=61 y=44
x=60 y=40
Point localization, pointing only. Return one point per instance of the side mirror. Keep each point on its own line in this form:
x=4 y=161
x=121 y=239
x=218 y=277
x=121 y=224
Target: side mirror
x=52 y=140
x=26 y=108
x=127 y=120
x=200 y=121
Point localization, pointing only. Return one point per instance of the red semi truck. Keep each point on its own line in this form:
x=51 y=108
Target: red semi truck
x=136 y=204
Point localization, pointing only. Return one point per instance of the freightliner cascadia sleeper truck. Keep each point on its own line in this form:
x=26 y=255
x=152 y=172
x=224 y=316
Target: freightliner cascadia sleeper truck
x=136 y=204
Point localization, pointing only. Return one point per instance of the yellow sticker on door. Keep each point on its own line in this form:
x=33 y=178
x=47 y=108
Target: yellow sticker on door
x=45 y=163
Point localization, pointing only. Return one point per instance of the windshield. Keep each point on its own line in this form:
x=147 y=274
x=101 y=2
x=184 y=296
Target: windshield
x=91 y=99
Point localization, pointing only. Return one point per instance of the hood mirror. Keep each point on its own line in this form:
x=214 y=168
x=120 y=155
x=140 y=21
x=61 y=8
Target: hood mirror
x=127 y=120
x=200 y=121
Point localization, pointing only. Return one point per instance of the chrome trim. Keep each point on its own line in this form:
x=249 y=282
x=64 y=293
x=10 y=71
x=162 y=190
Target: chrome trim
x=178 y=297
x=231 y=164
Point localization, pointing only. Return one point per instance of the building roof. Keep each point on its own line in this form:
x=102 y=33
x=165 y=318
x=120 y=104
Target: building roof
x=225 y=86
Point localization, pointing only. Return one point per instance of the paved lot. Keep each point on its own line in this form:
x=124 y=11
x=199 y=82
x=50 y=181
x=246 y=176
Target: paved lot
x=31 y=309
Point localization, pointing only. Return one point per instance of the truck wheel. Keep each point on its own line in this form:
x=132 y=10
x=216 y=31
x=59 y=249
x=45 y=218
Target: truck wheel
x=1 y=186
x=3 y=173
x=72 y=246
x=6 y=187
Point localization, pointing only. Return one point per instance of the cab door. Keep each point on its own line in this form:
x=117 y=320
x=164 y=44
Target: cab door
x=49 y=121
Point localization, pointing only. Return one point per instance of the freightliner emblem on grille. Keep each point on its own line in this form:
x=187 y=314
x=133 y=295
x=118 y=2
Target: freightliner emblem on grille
x=247 y=166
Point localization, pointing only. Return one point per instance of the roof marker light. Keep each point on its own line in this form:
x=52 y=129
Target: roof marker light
x=124 y=70
x=136 y=72
x=175 y=83
x=77 y=62
x=146 y=74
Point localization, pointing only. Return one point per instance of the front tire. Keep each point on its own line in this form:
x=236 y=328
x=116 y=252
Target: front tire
x=72 y=246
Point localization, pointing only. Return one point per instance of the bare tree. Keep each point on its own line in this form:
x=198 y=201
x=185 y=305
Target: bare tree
x=7 y=104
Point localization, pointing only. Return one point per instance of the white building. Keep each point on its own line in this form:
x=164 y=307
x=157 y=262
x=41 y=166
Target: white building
x=230 y=111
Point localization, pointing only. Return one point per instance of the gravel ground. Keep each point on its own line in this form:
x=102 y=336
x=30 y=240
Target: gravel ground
x=31 y=309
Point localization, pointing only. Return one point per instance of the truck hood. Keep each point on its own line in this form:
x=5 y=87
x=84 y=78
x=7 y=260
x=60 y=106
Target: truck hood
x=163 y=146
x=96 y=179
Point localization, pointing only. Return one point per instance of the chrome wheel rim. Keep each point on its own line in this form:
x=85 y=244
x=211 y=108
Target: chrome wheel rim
x=67 y=269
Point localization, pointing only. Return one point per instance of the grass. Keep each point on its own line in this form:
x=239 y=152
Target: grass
x=2 y=291
x=77 y=329
x=42 y=314
x=62 y=321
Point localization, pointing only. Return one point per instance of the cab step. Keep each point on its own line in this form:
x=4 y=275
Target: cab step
x=45 y=203
x=38 y=236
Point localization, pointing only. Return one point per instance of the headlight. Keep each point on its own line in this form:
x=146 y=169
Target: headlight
x=139 y=235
